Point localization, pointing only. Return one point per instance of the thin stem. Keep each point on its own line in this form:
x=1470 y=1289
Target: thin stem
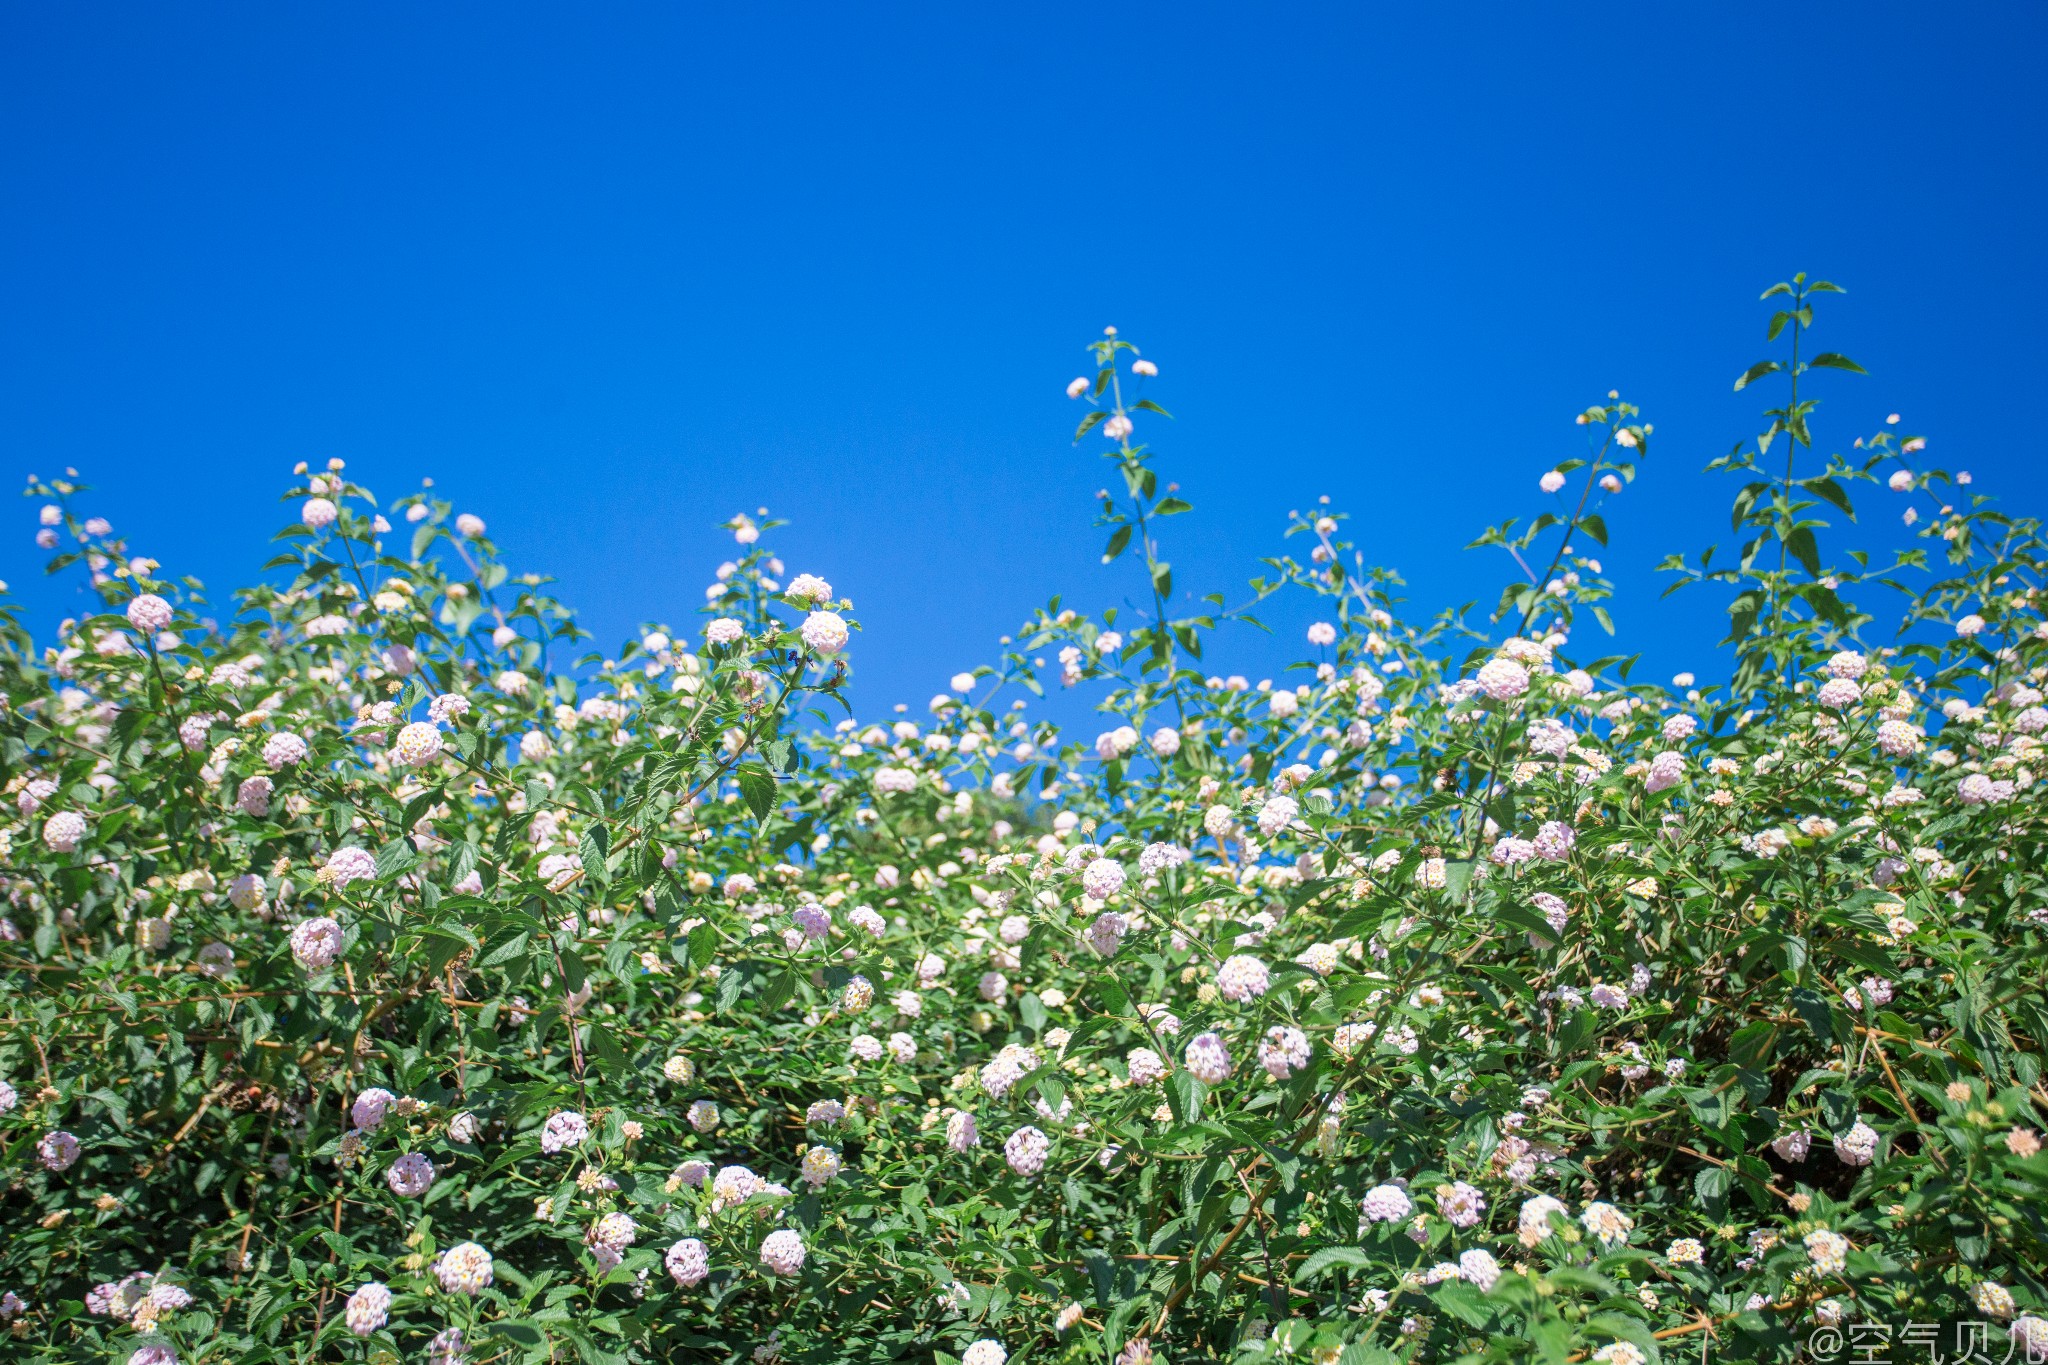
x=1792 y=429
x=1592 y=473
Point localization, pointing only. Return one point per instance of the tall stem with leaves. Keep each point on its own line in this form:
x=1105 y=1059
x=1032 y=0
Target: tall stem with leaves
x=1777 y=509
x=1133 y=518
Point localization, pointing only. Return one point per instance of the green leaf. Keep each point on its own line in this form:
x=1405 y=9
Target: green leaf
x=1711 y=1107
x=778 y=991
x=1756 y=372
x=511 y=948
x=604 y=1045
x=1744 y=501
x=1367 y=1353
x=593 y=847
x=117 y=1108
x=419 y=806
x=1826 y=603
x=731 y=982
x=1830 y=360
x=1464 y=1302
x=1553 y=1341
x=1826 y=487
x=1322 y=1261
x=574 y=974
x=1593 y=526
x=1184 y=1096
x=1625 y=1328
x=1753 y=1044
x=757 y=788
x=1742 y=614
x=1800 y=545
x=1171 y=506
x=703 y=946
x=1118 y=541
x=1813 y=1008
x=395 y=857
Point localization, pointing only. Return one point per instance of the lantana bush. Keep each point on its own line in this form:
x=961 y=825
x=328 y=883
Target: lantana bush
x=388 y=977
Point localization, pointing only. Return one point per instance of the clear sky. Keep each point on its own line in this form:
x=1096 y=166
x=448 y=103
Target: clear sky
x=611 y=274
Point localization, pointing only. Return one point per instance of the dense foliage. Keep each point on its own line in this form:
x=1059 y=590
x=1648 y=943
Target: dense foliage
x=382 y=981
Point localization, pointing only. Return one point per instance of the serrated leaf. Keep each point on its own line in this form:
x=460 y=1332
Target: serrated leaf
x=395 y=857
x=604 y=1046
x=505 y=952
x=1711 y=1107
x=594 y=846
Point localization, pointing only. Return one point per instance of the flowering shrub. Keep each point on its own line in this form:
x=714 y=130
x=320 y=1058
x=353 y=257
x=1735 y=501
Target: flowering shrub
x=382 y=981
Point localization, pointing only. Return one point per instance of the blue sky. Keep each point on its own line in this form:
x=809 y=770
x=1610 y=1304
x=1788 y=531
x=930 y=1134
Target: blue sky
x=612 y=274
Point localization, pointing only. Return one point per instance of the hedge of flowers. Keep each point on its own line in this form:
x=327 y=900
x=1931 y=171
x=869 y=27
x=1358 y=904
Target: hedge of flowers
x=386 y=979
